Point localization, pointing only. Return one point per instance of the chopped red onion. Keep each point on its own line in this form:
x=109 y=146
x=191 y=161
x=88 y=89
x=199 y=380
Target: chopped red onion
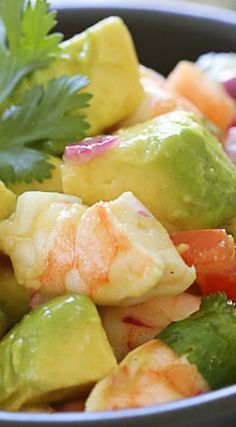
x=230 y=86
x=233 y=123
x=89 y=148
x=136 y=322
x=144 y=213
x=230 y=144
x=37 y=298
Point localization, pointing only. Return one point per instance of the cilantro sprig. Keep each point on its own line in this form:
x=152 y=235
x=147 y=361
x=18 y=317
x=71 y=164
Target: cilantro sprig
x=46 y=117
x=25 y=43
x=208 y=339
x=42 y=116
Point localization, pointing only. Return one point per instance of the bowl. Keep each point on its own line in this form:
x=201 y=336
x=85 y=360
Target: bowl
x=163 y=35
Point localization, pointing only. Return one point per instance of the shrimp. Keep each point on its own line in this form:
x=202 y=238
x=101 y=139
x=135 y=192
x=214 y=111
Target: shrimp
x=208 y=95
x=114 y=252
x=129 y=327
x=151 y=374
x=158 y=99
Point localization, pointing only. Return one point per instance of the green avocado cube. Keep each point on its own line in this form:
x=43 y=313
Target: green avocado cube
x=14 y=298
x=56 y=351
x=171 y=163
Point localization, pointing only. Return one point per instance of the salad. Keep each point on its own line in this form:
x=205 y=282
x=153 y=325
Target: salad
x=117 y=219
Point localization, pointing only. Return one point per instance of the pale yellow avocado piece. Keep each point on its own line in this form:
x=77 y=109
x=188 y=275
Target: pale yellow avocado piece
x=106 y=55
x=7 y=201
x=52 y=184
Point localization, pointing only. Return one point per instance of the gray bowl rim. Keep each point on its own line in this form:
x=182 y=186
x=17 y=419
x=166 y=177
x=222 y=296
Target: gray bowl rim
x=195 y=405
x=175 y=7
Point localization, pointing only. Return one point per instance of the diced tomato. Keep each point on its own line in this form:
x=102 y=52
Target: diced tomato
x=205 y=247
x=207 y=95
x=212 y=252
x=220 y=281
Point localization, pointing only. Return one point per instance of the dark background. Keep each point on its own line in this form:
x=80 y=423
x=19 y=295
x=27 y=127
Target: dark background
x=162 y=39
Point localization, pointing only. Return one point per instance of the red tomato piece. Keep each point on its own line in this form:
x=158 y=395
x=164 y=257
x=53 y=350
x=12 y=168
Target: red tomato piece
x=205 y=247
x=212 y=252
x=220 y=281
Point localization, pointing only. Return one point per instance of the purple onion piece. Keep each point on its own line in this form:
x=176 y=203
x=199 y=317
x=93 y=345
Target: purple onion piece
x=233 y=123
x=89 y=148
x=230 y=86
x=230 y=144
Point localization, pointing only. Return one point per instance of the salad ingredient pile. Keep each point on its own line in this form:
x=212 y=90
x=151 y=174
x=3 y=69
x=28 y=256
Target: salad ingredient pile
x=117 y=219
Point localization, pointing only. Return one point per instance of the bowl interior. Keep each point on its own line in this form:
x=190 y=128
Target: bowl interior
x=162 y=39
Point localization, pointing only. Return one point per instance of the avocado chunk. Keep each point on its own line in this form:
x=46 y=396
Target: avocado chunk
x=13 y=297
x=56 y=351
x=171 y=163
x=7 y=201
x=106 y=55
x=51 y=184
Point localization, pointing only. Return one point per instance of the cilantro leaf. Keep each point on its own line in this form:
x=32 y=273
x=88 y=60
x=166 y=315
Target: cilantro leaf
x=24 y=164
x=24 y=41
x=208 y=339
x=43 y=115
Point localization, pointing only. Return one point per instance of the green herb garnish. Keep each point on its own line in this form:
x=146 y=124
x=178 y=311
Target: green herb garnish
x=43 y=115
x=25 y=43
x=208 y=340
x=43 y=118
